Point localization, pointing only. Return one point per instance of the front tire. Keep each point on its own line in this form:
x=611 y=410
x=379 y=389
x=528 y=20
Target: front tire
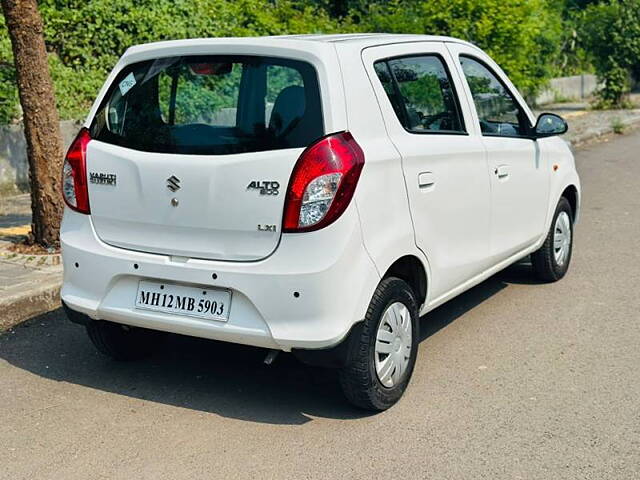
x=551 y=261
x=381 y=358
x=122 y=342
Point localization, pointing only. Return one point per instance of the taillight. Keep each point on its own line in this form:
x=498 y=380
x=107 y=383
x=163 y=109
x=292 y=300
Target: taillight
x=322 y=183
x=74 y=174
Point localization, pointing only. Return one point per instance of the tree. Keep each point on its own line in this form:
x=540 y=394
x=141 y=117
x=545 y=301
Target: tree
x=40 y=117
x=612 y=37
x=523 y=36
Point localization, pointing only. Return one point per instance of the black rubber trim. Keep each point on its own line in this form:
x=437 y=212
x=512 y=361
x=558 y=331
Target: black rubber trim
x=76 y=317
x=332 y=357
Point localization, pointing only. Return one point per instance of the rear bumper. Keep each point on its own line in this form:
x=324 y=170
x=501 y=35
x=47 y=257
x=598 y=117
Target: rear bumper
x=329 y=269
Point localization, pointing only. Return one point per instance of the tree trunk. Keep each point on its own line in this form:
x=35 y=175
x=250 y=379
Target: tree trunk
x=41 y=121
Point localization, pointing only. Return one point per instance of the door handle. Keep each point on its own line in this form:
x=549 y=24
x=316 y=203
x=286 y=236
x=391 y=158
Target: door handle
x=426 y=180
x=502 y=171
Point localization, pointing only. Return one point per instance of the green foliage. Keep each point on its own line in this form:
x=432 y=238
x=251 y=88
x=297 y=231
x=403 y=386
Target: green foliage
x=523 y=36
x=85 y=39
x=76 y=88
x=612 y=37
x=94 y=34
x=573 y=58
x=8 y=91
x=341 y=8
x=618 y=126
x=532 y=40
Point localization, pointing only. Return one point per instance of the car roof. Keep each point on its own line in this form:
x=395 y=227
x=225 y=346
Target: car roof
x=350 y=40
x=370 y=39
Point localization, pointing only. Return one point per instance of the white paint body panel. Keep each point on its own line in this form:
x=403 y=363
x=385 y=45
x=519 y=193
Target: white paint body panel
x=464 y=227
x=334 y=286
x=451 y=215
x=519 y=172
x=216 y=216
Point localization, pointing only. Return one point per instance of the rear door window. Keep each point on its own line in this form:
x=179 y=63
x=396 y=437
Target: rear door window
x=211 y=105
x=421 y=93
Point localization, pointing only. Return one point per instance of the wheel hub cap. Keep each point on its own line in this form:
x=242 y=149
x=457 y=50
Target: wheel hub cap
x=393 y=344
x=562 y=238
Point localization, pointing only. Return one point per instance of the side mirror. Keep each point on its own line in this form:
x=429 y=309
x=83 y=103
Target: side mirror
x=550 y=124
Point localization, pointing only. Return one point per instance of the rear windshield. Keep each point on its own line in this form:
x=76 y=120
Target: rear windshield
x=211 y=105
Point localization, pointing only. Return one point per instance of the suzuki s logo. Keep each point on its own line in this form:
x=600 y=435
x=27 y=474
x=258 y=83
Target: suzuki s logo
x=173 y=183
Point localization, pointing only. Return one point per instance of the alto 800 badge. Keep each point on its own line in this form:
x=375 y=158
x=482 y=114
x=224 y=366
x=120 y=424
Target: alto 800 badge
x=265 y=187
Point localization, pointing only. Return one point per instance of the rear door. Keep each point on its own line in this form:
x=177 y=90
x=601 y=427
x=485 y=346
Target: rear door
x=518 y=170
x=443 y=157
x=199 y=150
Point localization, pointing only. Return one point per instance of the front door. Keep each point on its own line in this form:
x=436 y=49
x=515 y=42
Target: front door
x=517 y=169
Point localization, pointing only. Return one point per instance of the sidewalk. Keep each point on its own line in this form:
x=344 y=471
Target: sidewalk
x=586 y=125
x=30 y=284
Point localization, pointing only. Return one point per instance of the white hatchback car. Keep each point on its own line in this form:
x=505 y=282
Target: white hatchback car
x=311 y=194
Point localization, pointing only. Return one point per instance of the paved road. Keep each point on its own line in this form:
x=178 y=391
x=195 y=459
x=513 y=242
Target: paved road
x=514 y=380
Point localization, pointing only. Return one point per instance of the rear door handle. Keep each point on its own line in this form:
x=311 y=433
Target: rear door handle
x=426 y=180
x=502 y=171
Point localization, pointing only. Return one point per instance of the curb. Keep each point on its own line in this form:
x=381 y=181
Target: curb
x=29 y=260
x=18 y=307
x=591 y=137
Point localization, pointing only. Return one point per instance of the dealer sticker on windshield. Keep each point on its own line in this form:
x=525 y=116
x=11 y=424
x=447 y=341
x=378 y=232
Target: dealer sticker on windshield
x=209 y=303
x=127 y=84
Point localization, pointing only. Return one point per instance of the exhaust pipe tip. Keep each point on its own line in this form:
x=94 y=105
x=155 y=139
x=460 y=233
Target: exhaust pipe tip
x=271 y=356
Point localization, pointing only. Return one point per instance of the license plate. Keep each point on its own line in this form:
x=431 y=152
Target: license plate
x=212 y=304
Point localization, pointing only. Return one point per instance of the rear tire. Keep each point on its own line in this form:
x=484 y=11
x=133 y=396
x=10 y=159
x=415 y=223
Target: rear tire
x=373 y=379
x=122 y=342
x=551 y=261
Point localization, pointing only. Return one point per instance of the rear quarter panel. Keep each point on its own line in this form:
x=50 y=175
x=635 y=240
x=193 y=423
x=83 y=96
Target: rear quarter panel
x=381 y=196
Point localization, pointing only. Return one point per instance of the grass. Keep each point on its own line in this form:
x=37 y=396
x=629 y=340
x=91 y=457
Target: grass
x=618 y=126
x=600 y=104
x=561 y=98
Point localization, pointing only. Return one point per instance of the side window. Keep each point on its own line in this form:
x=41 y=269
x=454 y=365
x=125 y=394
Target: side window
x=279 y=79
x=421 y=93
x=499 y=113
x=384 y=74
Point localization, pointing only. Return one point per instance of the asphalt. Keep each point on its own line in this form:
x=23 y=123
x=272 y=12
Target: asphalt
x=515 y=380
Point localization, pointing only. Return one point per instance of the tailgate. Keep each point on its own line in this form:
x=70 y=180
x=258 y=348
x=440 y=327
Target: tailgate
x=213 y=212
